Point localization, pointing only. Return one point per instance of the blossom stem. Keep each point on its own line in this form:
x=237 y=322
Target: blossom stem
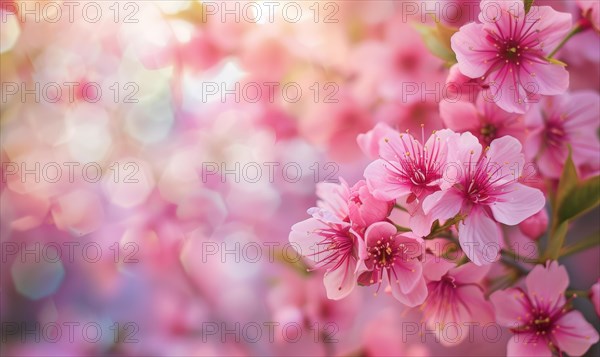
x=509 y=254
x=577 y=29
x=449 y=223
x=582 y=245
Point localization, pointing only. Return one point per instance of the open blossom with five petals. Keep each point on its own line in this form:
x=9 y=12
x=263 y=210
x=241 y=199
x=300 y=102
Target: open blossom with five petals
x=487 y=191
x=508 y=49
x=394 y=259
x=409 y=170
x=541 y=318
x=556 y=123
x=456 y=297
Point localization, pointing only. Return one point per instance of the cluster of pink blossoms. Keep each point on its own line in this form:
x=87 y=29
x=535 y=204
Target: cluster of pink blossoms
x=450 y=178
x=469 y=186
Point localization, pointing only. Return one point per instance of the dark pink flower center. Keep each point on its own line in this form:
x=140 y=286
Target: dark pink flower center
x=555 y=133
x=484 y=181
x=488 y=133
x=384 y=254
x=540 y=319
x=417 y=165
x=335 y=249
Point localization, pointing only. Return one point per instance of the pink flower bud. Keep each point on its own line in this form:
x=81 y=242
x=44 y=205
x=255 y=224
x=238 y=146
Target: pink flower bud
x=534 y=226
x=595 y=296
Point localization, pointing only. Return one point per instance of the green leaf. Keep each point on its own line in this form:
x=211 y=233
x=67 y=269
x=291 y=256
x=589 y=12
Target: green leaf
x=528 y=4
x=568 y=181
x=437 y=40
x=557 y=239
x=582 y=198
x=573 y=198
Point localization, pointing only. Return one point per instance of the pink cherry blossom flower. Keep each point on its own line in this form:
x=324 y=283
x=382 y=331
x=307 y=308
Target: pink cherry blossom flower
x=455 y=297
x=541 y=318
x=394 y=259
x=410 y=170
x=331 y=238
x=557 y=122
x=331 y=244
x=508 y=49
x=595 y=296
x=487 y=192
x=483 y=119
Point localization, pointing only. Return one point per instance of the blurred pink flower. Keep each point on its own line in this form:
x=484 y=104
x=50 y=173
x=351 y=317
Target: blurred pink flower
x=483 y=119
x=540 y=318
x=590 y=10
x=455 y=296
x=335 y=125
x=557 y=122
x=509 y=48
x=410 y=170
x=395 y=259
x=487 y=192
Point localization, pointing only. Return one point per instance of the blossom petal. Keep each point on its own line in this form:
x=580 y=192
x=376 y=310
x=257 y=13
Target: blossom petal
x=304 y=238
x=504 y=11
x=413 y=298
x=574 y=334
x=510 y=307
x=333 y=197
x=537 y=283
x=420 y=223
x=553 y=25
x=436 y=267
x=408 y=274
x=443 y=204
x=528 y=344
x=465 y=149
x=479 y=236
x=518 y=203
x=379 y=230
x=380 y=181
x=340 y=282
x=506 y=156
x=370 y=141
x=551 y=79
x=460 y=116
x=470 y=46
